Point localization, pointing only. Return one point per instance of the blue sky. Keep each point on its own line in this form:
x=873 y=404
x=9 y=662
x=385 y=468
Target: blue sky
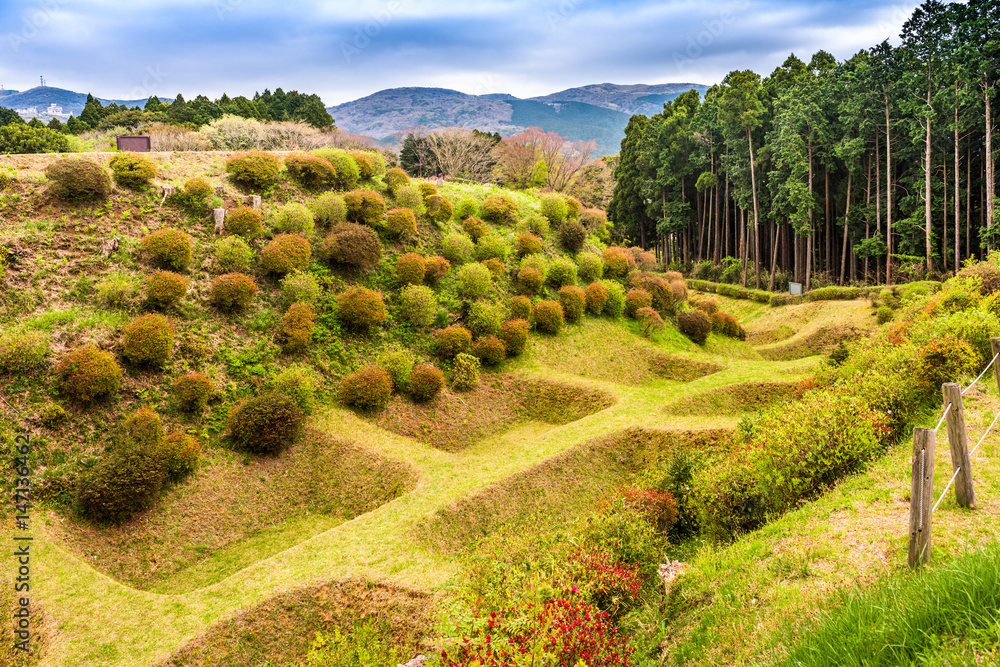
x=346 y=50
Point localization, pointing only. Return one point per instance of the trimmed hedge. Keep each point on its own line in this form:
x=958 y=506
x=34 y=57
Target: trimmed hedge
x=436 y=268
x=401 y=223
x=286 y=253
x=368 y=388
x=294 y=218
x=426 y=382
x=520 y=307
x=410 y=269
x=361 y=308
x=310 y=171
x=514 y=334
x=131 y=170
x=232 y=291
x=148 y=340
x=328 y=209
x=233 y=255
x=490 y=350
x=694 y=324
x=192 y=391
x=86 y=373
x=352 y=245
x=597 y=296
x=297 y=326
x=165 y=289
x=180 y=454
x=573 y=300
x=266 y=424
x=452 y=341
x=364 y=207
x=419 y=305
x=255 y=169
x=168 y=248
x=245 y=222
x=547 y=316
x=78 y=179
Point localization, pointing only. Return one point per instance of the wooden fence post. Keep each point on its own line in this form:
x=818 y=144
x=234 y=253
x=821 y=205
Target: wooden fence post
x=254 y=201
x=921 y=496
x=958 y=442
x=995 y=347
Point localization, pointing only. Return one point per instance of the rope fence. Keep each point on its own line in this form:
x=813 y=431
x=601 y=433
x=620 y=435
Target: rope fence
x=922 y=468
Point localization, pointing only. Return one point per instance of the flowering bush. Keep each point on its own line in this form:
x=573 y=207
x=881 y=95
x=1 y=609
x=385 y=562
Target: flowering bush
x=611 y=585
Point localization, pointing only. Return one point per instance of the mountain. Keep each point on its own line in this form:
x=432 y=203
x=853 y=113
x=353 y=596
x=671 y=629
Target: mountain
x=41 y=97
x=597 y=112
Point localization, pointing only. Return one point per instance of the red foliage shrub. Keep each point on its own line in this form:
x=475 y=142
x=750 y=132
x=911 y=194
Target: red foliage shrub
x=597 y=296
x=361 y=308
x=148 y=340
x=309 y=171
x=529 y=281
x=490 y=350
x=695 y=325
x=520 y=307
x=452 y=340
x=636 y=299
x=297 y=327
x=368 y=388
x=168 y=248
x=573 y=300
x=245 y=222
x=547 y=316
x=180 y=454
x=649 y=321
x=527 y=244
x=192 y=390
x=232 y=291
x=364 y=207
x=286 y=253
x=410 y=269
x=165 y=288
x=86 y=373
x=254 y=169
x=352 y=245
x=436 y=268
x=475 y=228
x=617 y=262
x=426 y=382
x=514 y=334
x=401 y=223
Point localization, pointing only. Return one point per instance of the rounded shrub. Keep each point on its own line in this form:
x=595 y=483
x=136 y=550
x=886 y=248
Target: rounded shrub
x=77 y=179
x=709 y=305
x=148 y=340
x=650 y=321
x=497 y=268
x=439 y=209
x=419 y=305
x=572 y=235
x=426 y=382
x=529 y=281
x=398 y=363
x=310 y=171
x=547 y=316
x=360 y=308
x=368 y=388
x=410 y=269
x=452 y=341
x=165 y=289
x=233 y=255
x=364 y=207
x=299 y=384
x=527 y=244
x=536 y=262
x=427 y=189
x=573 y=300
x=662 y=293
x=192 y=391
x=490 y=350
x=168 y=248
x=408 y=196
x=594 y=220
x=394 y=179
x=22 y=351
x=467 y=207
x=86 y=373
x=520 y=307
x=535 y=223
x=499 y=210
x=617 y=262
x=573 y=208
x=266 y=424
x=286 y=253
x=293 y=218
x=297 y=326
x=474 y=281
x=180 y=454
x=562 y=271
x=465 y=375
x=436 y=268
x=679 y=290
x=514 y=334
x=126 y=479
x=232 y=291
x=371 y=164
x=636 y=299
x=352 y=245
x=492 y=246
x=484 y=319
x=615 y=305
x=943 y=360
x=245 y=222
x=401 y=223
x=299 y=287
x=591 y=267
x=726 y=324
x=646 y=261
x=456 y=248
x=475 y=228
x=884 y=315
x=196 y=195
x=554 y=208
x=694 y=324
x=344 y=165
x=597 y=296
x=256 y=170
x=328 y=209
x=131 y=170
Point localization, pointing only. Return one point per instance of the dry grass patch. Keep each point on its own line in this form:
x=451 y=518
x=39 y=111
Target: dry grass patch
x=681 y=369
x=818 y=341
x=742 y=397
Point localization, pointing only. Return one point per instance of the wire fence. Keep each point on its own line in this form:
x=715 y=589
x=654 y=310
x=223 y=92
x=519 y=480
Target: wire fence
x=922 y=467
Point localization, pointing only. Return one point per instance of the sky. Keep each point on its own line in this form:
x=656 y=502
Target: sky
x=349 y=49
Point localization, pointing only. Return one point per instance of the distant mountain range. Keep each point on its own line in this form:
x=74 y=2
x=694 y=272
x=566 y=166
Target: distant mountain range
x=599 y=112
x=40 y=97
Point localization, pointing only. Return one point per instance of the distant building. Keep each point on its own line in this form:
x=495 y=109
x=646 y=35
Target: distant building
x=54 y=110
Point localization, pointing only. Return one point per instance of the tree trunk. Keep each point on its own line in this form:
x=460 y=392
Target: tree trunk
x=878 y=203
x=828 y=262
x=888 y=196
x=927 y=183
x=756 y=217
x=847 y=215
x=958 y=194
x=989 y=163
x=868 y=203
x=774 y=256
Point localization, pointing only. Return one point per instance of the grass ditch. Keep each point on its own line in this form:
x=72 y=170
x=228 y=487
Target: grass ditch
x=742 y=397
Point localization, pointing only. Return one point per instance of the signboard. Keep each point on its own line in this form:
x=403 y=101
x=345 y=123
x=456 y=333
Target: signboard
x=134 y=144
x=795 y=289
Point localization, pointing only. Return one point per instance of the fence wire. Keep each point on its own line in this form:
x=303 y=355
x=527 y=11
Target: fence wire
x=988 y=367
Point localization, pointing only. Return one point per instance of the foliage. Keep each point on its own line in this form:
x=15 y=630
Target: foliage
x=232 y=291
x=364 y=645
x=180 y=454
x=474 y=281
x=597 y=297
x=233 y=255
x=368 y=388
x=148 y=340
x=254 y=169
x=475 y=228
x=245 y=222
x=694 y=324
x=165 y=289
x=132 y=170
x=168 y=248
x=514 y=334
x=726 y=324
x=353 y=245
x=394 y=179
x=527 y=244
x=535 y=223
x=573 y=300
x=419 y=305
x=347 y=173
x=499 y=210
x=328 y=209
x=398 y=363
x=456 y=248
x=484 y=319
x=547 y=316
x=22 y=351
x=438 y=209
x=310 y=171
x=614 y=305
x=591 y=267
x=297 y=326
x=77 y=179
x=617 y=262
x=530 y=281
x=401 y=223
x=467 y=207
x=266 y=424
x=192 y=390
x=364 y=207
x=286 y=253
x=452 y=341
x=554 y=208
x=299 y=287
x=636 y=299
x=561 y=272
x=490 y=350
x=120 y=289
x=293 y=218
x=466 y=373
x=650 y=321
x=492 y=246
x=943 y=360
x=520 y=307
x=86 y=373
x=22 y=138
x=408 y=196
x=987 y=274
x=410 y=269
x=572 y=235
x=361 y=308
x=436 y=269
x=426 y=382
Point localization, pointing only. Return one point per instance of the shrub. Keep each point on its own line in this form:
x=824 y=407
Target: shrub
x=286 y=253
x=988 y=274
x=86 y=373
x=529 y=281
x=492 y=246
x=427 y=190
x=297 y=382
x=168 y=248
x=573 y=301
x=496 y=267
x=554 y=208
x=233 y=255
x=456 y=247
x=180 y=454
x=438 y=208
x=398 y=363
x=364 y=207
x=299 y=287
x=410 y=269
x=649 y=321
x=591 y=267
x=499 y=210
x=368 y=388
x=21 y=351
x=520 y=307
x=148 y=340
x=426 y=382
x=617 y=262
x=941 y=361
x=254 y=170
x=297 y=327
x=573 y=208
x=474 y=281
x=192 y=391
x=131 y=170
x=360 y=308
x=294 y=218
x=572 y=235
x=709 y=305
x=527 y=244
x=119 y=290
x=679 y=290
x=695 y=325
x=594 y=220
x=514 y=334
x=535 y=223
x=401 y=223
x=659 y=290
x=614 y=306
x=452 y=341
x=78 y=179
x=196 y=195
x=597 y=296
x=726 y=324
x=466 y=373
x=475 y=228
x=408 y=196
x=636 y=299
x=562 y=271
x=394 y=179
x=344 y=165
x=419 y=305
x=352 y=245
x=646 y=261
x=369 y=164
x=484 y=319
x=232 y=291
x=328 y=209
x=165 y=288
x=436 y=268
x=884 y=314
x=467 y=207
x=266 y=424
x=310 y=172
x=245 y=222
x=547 y=316
x=490 y=350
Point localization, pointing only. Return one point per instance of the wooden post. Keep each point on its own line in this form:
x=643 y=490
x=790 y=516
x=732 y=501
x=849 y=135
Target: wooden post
x=958 y=442
x=921 y=496
x=254 y=202
x=995 y=347
x=220 y=220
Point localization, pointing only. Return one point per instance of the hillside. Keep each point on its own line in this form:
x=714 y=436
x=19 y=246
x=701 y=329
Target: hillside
x=629 y=99
x=41 y=97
